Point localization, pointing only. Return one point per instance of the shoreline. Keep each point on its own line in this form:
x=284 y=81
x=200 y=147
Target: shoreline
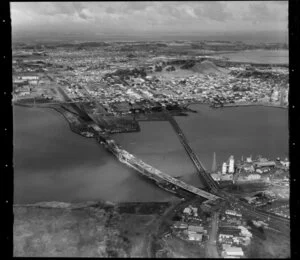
x=253 y=104
x=237 y=105
x=87 y=204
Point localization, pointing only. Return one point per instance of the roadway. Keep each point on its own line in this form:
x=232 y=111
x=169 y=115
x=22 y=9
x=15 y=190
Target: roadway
x=211 y=247
x=155 y=174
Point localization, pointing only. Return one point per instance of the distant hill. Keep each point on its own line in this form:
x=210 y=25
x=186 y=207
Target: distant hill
x=207 y=67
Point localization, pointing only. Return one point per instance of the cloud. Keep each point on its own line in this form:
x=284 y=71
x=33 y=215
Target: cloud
x=283 y=3
x=213 y=11
x=86 y=14
x=260 y=11
x=137 y=5
x=155 y=16
x=110 y=10
x=264 y=13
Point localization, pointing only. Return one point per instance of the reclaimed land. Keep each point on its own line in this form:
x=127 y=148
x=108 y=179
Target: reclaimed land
x=90 y=229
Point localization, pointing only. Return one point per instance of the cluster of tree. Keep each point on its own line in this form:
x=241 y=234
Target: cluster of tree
x=170 y=68
x=261 y=74
x=158 y=68
x=131 y=55
x=197 y=46
x=188 y=64
x=176 y=62
x=173 y=107
x=142 y=46
x=240 y=88
x=125 y=73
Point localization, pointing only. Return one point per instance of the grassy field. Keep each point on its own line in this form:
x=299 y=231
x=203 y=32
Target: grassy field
x=99 y=230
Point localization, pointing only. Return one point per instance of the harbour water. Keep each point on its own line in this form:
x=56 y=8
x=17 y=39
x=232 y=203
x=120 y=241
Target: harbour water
x=51 y=163
x=260 y=56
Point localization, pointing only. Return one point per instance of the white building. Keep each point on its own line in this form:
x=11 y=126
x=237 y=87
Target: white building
x=249 y=168
x=233 y=213
x=194 y=236
x=259 y=171
x=19 y=81
x=33 y=82
x=231 y=164
x=249 y=159
x=233 y=252
x=224 y=168
x=285 y=163
x=224 y=236
x=180 y=225
x=187 y=211
x=195 y=211
x=275 y=95
x=245 y=232
x=30 y=77
x=253 y=177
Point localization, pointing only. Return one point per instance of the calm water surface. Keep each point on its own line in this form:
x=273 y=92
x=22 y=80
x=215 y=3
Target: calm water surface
x=260 y=56
x=53 y=163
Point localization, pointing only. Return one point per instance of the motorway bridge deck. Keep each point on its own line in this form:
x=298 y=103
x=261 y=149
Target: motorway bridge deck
x=155 y=174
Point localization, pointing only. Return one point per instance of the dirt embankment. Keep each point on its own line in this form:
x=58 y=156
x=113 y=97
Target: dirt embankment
x=93 y=229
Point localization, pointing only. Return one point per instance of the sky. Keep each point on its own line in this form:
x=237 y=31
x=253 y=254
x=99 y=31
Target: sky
x=159 y=17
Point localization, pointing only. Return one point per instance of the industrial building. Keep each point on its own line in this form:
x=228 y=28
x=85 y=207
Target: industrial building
x=265 y=164
x=233 y=213
x=228 y=167
x=195 y=236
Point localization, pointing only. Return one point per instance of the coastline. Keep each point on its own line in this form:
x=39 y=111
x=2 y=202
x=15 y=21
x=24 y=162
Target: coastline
x=91 y=204
x=254 y=104
x=237 y=105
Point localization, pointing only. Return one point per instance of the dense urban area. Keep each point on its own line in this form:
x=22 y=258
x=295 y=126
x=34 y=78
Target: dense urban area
x=103 y=88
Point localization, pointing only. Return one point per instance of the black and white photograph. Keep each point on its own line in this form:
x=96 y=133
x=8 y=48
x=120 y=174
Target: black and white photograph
x=151 y=129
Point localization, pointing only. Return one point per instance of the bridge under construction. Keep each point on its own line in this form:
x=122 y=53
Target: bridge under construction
x=162 y=179
x=214 y=186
